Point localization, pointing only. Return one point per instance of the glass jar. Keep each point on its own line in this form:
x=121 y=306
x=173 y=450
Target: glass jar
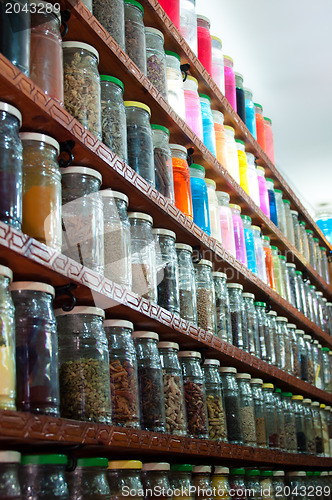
x=204 y=43
x=264 y=202
x=260 y=128
x=213 y=209
x=188 y=23
x=318 y=262
x=88 y=479
x=329 y=427
x=187 y=284
x=84 y=365
x=266 y=484
x=285 y=277
x=199 y=197
x=181 y=178
x=269 y=147
x=325 y=431
x=281 y=420
x=304 y=241
x=327 y=378
x=271 y=280
x=308 y=346
x=232 y=164
x=180 y=480
x=220 y=483
x=41 y=189
x=236 y=307
x=15 y=34
x=214 y=400
x=311 y=245
x=317 y=428
x=277 y=272
x=172 y=9
x=82 y=217
x=226 y=222
x=289 y=422
x=284 y=353
x=150 y=380
x=123 y=373
x=259 y=253
x=209 y=138
x=280 y=212
x=303 y=356
x=46 y=66
x=302 y=301
x=125 y=475
x=247 y=411
x=43 y=476
x=325 y=265
x=7 y=343
x=218 y=63
x=240 y=245
x=314 y=301
x=155 y=478
x=175 y=89
x=308 y=300
x=294 y=286
x=117 y=238
x=289 y=223
x=163 y=168
x=195 y=396
x=205 y=296
x=295 y=356
x=10 y=488
x=156 y=60
x=80 y=66
x=224 y=330
x=37 y=381
x=317 y=365
x=296 y=229
x=250 y=324
x=309 y=427
x=176 y=422
x=135 y=34
x=272 y=434
x=321 y=319
x=220 y=136
x=296 y=480
x=230 y=391
x=201 y=482
x=265 y=341
x=271 y=318
x=139 y=139
x=300 y=424
x=193 y=106
x=143 y=256
x=230 y=88
x=111 y=17
x=11 y=164
x=243 y=165
x=237 y=483
x=259 y=409
x=240 y=97
x=113 y=114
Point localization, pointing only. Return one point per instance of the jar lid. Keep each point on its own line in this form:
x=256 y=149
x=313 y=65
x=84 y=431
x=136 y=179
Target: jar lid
x=154 y=31
x=202 y=469
x=112 y=79
x=173 y=54
x=282 y=318
x=248 y=295
x=323 y=248
x=260 y=304
x=316 y=473
x=278 y=191
x=281 y=257
x=183 y=246
x=315 y=403
x=256 y=228
x=322 y=406
x=210 y=182
x=328 y=408
x=118 y=323
x=296 y=473
x=182 y=467
x=190 y=354
x=256 y=381
x=294 y=212
x=203 y=18
x=235 y=285
x=204 y=262
x=309 y=231
x=266 y=238
x=246 y=217
x=92 y=462
x=216 y=38
x=244 y=376
x=34 y=286
x=267 y=386
x=195 y=166
x=192 y=79
x=163 y=232
x=240 y=142
x=236 y=207
x=307 y=401
x=290 y=264
x=268 y=120
x=10 y=457
x=274 y=248
x=316 y=239
x=5 y=271
x=82 y=170
x=217 y=114
x=229 y=58
x=291 y=325
x=178 y=147
x=97 y=311
x=136 y=104
x=140 y=215
x=299 y=273
x=268 y=179
x=329 y=304
x=325 y=349
x=221 y=470
x=145 y=335
x=315 y=342
x=109 y=193
x=307 y=337
x=324 y=473
x=237 y=471
x=312 y=287
x=299 y=332
x=278 y=473
x=137 y=4
x=227 y=369
x=253 y=472
x=213 y=362
x=286 y=394
x=286 y=201
x=228 y=127
x=238 y=75
x=272 y=313
x=33 y=136
x=168 y=345
x=44 y=460
x=217 y=274
x=320 y=294
x=81 y=45
x=267 y=473
x=154 y=126
x=156 y=466
x=258 y=105
x=8 y=108
x=297 y=398
x=124 y=464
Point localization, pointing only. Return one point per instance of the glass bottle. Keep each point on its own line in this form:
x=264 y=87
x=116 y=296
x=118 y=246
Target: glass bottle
x=259 y=408
x=277 y=272
x=271 y=416
x=88 y=479
x=289 y=223
x=232 y=164
x=10 y=488
x=289 y=422
x=271 y=281
x=280 y=212
x=250 y=112
x=249 y=242
x=236 y=308
x=269 y=148
x=302 y=301
x=318 y=262
x=187 y=284
x=294 y=286
x=218 y=74
x=201 y=481
x=214 y=400
x=230 y=390
x=7 y=343
x=156 y=60
x=193 y=106
x=309 y=427
x=181 y=178
x=180 y=478
x=205 y=296
x=295 y=357
x=223 y=318
x=296 y=229
x=204 y=45
x=264 y=202
x=220 y=481
x=325 y=431
x=311 y=246
x=284 y=344
x=226 y=222
x=240 y=245
x=327 y=379
x=125 y=474
x=43 y=476
x=285 y=278
x=304 y=241
x=314 y=301
x=209 y=138
x=230 y=88
x=272 y=200
x=213 y=209
x=317 y=428
x=247 y=411
x=325 y=265
x=199 y=197
x=251 y=324
x=15 y=28
x=163 y=167
x=135 y=34
x=300 y=424
x=155 y=478
x=271 y=317
x=188 y=23
x=259 y=253
x=253 y=484
x=281 y=420
x=220 y=136
x=175 y=89
x=111 y=17
x=260 y=128
x=252 y=178
x=265 y=341
x=243 y=165
x=240 y=99
x=237 y=482
x=303 y=356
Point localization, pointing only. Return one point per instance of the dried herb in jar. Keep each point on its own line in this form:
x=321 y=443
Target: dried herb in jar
x=216 y=418
x=248 y=424
x=140 y=151
x=152 y=402
x=290 y=436
x=156 y=73
x=234 y=430
x=174 y=405
x=260 y=431
x=205 y=309
x=142 y=280
x=167 y=288
x=187 y=310
x=135 y=43
x=114 y=133
x=195 y=407
x=125 y=410
x=110 y=14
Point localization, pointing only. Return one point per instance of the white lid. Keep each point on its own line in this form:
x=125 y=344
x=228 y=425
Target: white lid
x=227 y=369
x=154 y=31
x=145 y=335
x=324 y=300
x=189 y=354
x=109 y=193
x=278 y=473
x=34 y=286
x=164 y=232
x=299 y=332
x=219 y=275
x=81 y=45
x=297 y=473
x=183 y=246
x=81 y=310
x=235 y=285
x=178 y=147
x=120 y=323
x=5 y=271
x=315 y=403
x=156 y=466
x=307 y=400
x=82 y=170
x=328 y=408
x=204 y=262
x=245 y=376
x=295 y=212
x=204 y=18
x=202 y=468
x=33 y=136
x=214 y=362
x=10 y=457
x=248 y=295
x=217 y=114
x=291 y=325
x=140 y=215
x=329 y=304
x=289 y=264
x=8 y=108
x=282 y=318
x=324 y=473
x=256 y=381
x=221 y=470
x=319 y=293
x=272 y=313
x=169 y=345
x=307 y=337
x=315 y=342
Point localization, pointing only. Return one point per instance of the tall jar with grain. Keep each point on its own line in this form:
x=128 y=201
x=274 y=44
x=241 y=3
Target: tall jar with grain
x=259 y=410
x=187 y=284
x=247 y=410
x=135 y=33
x=156 y=60
x=289 y=421
x=230 y=390
x=223 y=318
x=205 y=296
x=7 y=343
x=214 y=400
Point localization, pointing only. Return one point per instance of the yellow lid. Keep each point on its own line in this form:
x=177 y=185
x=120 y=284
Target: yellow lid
x=267 y=386
x=136 y=104
x=216 y=38
x=229 y=58
x=322 y=406
x=237 y=207
x=297 y=398
x=124 y=464
x=228 y=127
x=189 y=77
x=257 y=228
x=261 y=168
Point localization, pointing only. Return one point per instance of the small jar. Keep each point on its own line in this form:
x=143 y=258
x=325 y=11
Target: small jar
x=176 y=421
x=272 y=433
x=123 y=373
x=271 y=280
x=204 y=44
x=251 y=325
x=237 y=482
x=317 y=428
x=289 y=222
x=240 y=245
x=220 y=136
x=253 y=484
x=318 y=262
x=175 y=89
x=259 y=410
x=139 y=139
x=44 y=476
x=88 y=479
x=199 y=197
x=155 y=478
x=236 y=309
x=243 y=165
x=111 y=17
x=82 y=85
x=150 y=379
x=260 y=128
x=308 y=346
x=285 y=278
x=37 y=380
x=82 y=217
x=214 y=400
x=163 y=168
x=205 y=296
x=156 y=60
x=230 y=390
x=281 y=420
x=314 y=302
x=264 y=202
x=259 y=253
x=181 y=178
x=195 y=396
x=15 y=26
x=117 y=238
x=249 y=242
x=187 y=284
x=113 y=115
x=193 y=107
x=304 y=241
x=295 y=358
x=220 y=482
x=265 y=341
x=325 y=265
x=218 y=63
x=272 y=201
x=289 y=422
x=7 y=344
x=180 y=479
x=135 y=34
x=240 y=99
x=294 y=286
x=247 y=411
x=125 y=475
x=209 y=138
x=327 y=379
x=302 y=295
x=143 y=256
x=188 y=23
x=309 y=427
x=201 y=481
x=277 y=272
x=269 y=146
x=325 y=432
x=250 y=112
x=230 y=88
x=284 y=351
x=226 y=222
x=296 y=229
x=9 y=473
x=232 y=164
x=223 y=323
x=300 y=424
x=303 y=356
x=271 y=318
x=213 y=209
x=280 y=212
x=41 y=189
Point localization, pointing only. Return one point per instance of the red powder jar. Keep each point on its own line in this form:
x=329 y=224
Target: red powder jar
x=204 y=42
x=172 y=9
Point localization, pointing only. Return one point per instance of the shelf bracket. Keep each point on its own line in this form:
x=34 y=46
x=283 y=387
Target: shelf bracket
x=65 y=16
x=184 y=69
x=66 y=290
x=190 y=152
x=197 y=254
x=67 y=148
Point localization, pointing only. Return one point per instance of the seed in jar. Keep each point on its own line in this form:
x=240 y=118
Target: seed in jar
x=174 y=405
x=124 y=387
x=196 y=412
x=216 y=418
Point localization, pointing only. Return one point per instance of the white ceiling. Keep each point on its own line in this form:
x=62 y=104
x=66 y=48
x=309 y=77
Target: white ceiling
x=283 y=48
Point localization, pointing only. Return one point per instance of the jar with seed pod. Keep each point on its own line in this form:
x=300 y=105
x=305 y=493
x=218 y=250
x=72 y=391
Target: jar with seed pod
x=125 y=474
x=7 y=343
x=259 y=410
x=251 y=325
x=82 y=85
x=289 y=420
x=163 y=167
x=155 y=478
x=123 y=373
x=84 y=365
x=176 y=421
x=309 y=427
x=201 y=481
x=187 y=284
x=271 y=418
x=300 y=424
x=156 y=60
x=214 y=400
x=247 y=410
x=230 y=390
x=150 y=380
x=110 y=14
x=88 y=479
x=205 y=296
x=236 y=311
x=9 y=472
x=223 y=318
x=194 y=393
x=279 y=408
x=135 y=34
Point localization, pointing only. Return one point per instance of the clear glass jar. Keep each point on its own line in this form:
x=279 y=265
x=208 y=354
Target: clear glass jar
x=296 y=229
x=7 y=343
x=314 y=301
x=329 y=427
x=214 y=400
x=181 y=179
x=289 y=422
x=277 y=272
x=247 y=411
x=187 y=284
x=308 y=299
x=240 y=99
x=237 y=483
x=311 y=246
x=43 y=476
x=264 y=203
x=304 y=241
x=271 y=281
x=265 y=341
x=84 y=365
x=271 y=318
x=156 y=60
x=213 y=209
x=325 y=314
x=325 y=431
x=236 y=307
x=204 y=45
x=230 y=391
x=193 y=106
x=117 y=238
x=302 y=301
x=300 y=424
x=82 y=217
x=240 y=245
x=201 y=481
x=37 y=380
x=327 y=378
x=176 y=421
x=199 y=197
x=243 y=165
x=317 y=365
x=295 y=356
x=325 y=265
x=303 y=355
x=294 y=286
x=113 y=114
x=308 y=346
x=163 y=167
x=10 y=488
x=318 y=262
x=251 y=325
x=296 y=480
x=223 y=323
x=272 y=434
x=259 y=408
x=195 y=395
x=226 y=222
x=260 y=127
x=220 y=135
x=230 y=89
x=41 y=189
x=135 y=34
x=250 y=112
x=123 y=373
x=289 y=222
x=143 y=256
x=218 y=63
x=284 y=343
x=175 y=89
x=259 y=253
x=253 y=484
x=15 y=34
x=150 y=380
x=205 y=296
x=139 y=139
x=317 y=428
x=155 y=478
x=252 y=178
x=209 y=138
x=125 y=475
x=320 y=306
x=281 y=420
x=285 y=277
x=88 y=479
x=232 y=164
x=180 y=480
x=111 y=17
x=220 y=482
x=80 y=67
x=188 y=23
x=266 y=484
x=280 y=212
x=309 y=427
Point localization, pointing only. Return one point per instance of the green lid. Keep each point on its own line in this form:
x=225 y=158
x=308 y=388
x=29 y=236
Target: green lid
x=274 y=248
x=260 y=304
x=309 y=473
x=286 y=201
x=258 y=105
x=44 y=460
x=266 y=238
x=286 y=394
x=205 y=96
x=107 y=78
x=240 y=142
x=278 y=391
x=237 y=471
x=299 y=273
x=268 y=119
x=246 y=217
x=282 y=257
x=195 y=166
x=309 y=231
x=323 y=248
x=269 y=180
x=159 y=127
x=267 y=473
x=92 y=462
x=137 y=4
x=254 y=472
x=316 y=473
x=174 y=54
x=316 y=239
x=302 y=223
x=312 y=287
x=278 y=191
x=325 y=349
x=182 y=467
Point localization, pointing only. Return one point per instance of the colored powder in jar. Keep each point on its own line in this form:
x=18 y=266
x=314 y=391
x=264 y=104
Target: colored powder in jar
x=182 y=189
